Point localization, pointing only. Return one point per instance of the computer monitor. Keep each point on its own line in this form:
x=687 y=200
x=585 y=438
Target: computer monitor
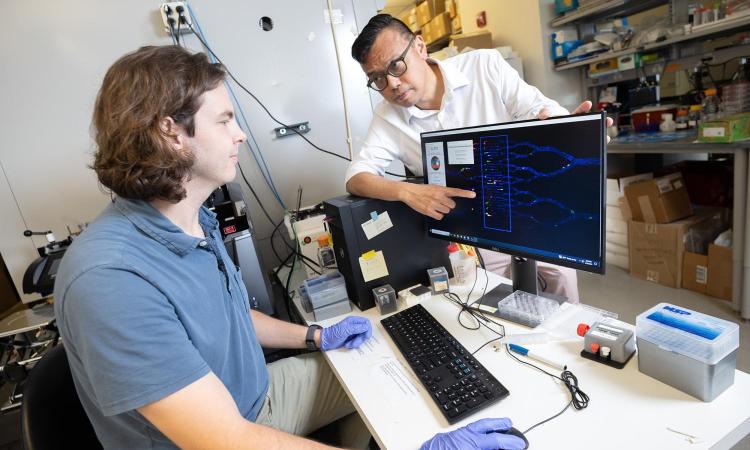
x=539 y=188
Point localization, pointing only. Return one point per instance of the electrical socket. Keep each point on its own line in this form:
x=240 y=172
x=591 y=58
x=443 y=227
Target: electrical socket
x=171 y=10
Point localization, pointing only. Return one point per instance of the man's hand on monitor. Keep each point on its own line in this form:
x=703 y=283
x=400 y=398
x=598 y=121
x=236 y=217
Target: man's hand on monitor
x=431 y=200
x=582 y=108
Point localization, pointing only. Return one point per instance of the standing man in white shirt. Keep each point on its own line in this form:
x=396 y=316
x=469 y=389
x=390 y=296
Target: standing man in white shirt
x=422 y=94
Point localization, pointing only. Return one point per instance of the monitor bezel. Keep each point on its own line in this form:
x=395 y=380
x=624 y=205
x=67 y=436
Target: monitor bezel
x=515 y=252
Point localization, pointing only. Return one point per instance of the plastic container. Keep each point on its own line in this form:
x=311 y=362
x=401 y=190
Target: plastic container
x=667 y=123
x=326 y=257
x=711 y=108
x=694 y=116
x=325 y=290
x=526 y=309
x=736 y=95
x=332 y=310
x=693 y=352
x=464 y=265
x=438 y=280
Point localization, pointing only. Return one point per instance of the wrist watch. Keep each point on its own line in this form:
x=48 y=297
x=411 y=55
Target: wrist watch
x=310 y=337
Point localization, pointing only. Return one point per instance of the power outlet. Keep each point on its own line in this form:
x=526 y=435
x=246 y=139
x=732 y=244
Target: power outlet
x=176 y=16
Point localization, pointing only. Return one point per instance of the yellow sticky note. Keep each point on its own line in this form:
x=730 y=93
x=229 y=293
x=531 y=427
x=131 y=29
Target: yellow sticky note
x=373 y=265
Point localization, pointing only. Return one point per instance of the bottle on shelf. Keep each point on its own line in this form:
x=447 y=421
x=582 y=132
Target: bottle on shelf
x=667 y=124
x=736 y=95
x=711 y=108
x=694 y=116
x=326 y=256
x=681 y=122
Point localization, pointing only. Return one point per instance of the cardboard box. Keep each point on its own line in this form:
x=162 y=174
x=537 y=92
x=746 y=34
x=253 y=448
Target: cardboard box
x=627 y=214
x=617 y=238
x=440 y=27
x=731 y=129
x=617 y=226
x=618 y=260
x=479 y=39
x=695 y=272
x=616 y=249
x=614 y=212
x=603 y=67
x=439 y=7
x=409 y=17
x=661 y=200
x=709 y=183
x=456 y=24
x=427 y=32
x=450 y=6
x=425 y=12
x=657 y=250
x=719 y=272
x=616 y=186
x=626 y=62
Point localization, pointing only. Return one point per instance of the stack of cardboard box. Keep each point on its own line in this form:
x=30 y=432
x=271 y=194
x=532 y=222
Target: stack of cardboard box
x=436 y=19
x=667 y=239
x=617 y=252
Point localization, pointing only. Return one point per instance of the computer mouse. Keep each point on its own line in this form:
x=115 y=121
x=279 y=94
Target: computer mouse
x=515 y=432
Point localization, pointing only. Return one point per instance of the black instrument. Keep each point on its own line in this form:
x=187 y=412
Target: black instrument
x=454 y=378
x=40 y=275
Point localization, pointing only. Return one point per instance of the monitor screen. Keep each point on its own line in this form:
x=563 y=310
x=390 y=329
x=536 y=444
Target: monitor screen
x=539 y=187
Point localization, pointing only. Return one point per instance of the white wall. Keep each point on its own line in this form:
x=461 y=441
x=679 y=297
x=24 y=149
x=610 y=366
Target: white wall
x=523 y=24
x=55 y=55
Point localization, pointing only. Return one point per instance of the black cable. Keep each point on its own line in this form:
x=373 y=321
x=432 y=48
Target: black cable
x=257 y=199
x=179 y=25
x=170 y=21
x=578 y=398
x=273 y=247
x=257 y=100
x=481 y=260
x=542 y=282
x=479 y=316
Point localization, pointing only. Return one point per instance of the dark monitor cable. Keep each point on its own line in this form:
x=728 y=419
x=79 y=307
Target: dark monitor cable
x=579 y=399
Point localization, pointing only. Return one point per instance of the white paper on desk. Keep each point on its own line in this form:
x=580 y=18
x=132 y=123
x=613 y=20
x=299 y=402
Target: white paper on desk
x=371 y=348
x=373 y=228
x=392 y=380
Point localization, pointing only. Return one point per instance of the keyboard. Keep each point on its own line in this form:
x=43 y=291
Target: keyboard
x=457 y=383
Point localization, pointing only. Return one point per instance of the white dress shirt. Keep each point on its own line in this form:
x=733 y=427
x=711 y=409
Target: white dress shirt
x=480 y=88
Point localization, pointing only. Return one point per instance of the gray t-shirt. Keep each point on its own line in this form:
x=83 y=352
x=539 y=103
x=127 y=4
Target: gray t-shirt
x=145 y=310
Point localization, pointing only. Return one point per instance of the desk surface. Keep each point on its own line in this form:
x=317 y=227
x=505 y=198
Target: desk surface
x=627 y=409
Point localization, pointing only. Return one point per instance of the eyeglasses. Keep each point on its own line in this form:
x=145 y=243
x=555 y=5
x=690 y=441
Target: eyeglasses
x=379 y=80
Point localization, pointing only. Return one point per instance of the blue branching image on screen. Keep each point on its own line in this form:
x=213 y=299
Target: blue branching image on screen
x=539 y=187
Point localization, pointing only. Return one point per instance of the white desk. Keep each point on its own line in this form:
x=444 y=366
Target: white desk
x=627 y=409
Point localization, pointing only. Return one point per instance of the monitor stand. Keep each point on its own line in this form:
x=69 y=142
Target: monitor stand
x=524 y=277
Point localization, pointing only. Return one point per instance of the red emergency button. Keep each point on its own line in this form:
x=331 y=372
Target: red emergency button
x=582 y=329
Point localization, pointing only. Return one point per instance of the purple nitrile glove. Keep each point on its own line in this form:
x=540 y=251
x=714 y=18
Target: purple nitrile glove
x=350 y=333
x=479 y=435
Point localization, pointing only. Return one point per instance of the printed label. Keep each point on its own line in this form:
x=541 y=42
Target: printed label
x=603 y=335
x=664 y=186
x=713 y=132
x=701 y=274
